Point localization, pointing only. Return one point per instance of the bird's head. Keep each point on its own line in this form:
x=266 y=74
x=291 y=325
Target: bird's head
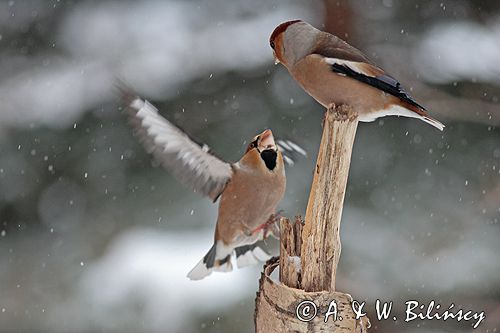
x=292 y=40
x=262 y=150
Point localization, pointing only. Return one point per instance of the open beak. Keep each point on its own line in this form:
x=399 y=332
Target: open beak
x=267 y=140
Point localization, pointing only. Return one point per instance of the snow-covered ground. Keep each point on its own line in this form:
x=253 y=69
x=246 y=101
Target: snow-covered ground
x=94 y=240
x=147 y=268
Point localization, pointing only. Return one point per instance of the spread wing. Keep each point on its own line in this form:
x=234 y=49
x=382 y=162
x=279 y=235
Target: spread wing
x=290 y=151
x=190 y=162
x=345 y=59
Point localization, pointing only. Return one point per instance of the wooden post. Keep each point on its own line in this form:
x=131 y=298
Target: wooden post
x=278 y=303
x=321 y=239
x=290 y=245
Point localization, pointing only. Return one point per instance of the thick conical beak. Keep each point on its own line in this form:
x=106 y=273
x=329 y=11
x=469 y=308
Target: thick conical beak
x=276 y=60
x=267 y=140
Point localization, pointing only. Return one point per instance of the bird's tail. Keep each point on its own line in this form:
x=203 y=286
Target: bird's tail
x=433 y=122
x=424 y=116
x=247 y=255
x=218 y=259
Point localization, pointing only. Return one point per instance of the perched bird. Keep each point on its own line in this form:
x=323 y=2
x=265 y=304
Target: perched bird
x=334 y=72
x=249 y=189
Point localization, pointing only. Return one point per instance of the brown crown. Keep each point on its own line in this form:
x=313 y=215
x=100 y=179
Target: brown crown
x=280 y=28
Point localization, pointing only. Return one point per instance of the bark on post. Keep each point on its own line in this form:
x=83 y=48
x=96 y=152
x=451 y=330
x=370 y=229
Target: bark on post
x=278 y=303
x=320 y=237
x=290 y=245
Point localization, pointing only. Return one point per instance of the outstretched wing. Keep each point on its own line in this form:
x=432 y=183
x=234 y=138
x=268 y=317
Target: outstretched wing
x=190 y=162
x=290 y=151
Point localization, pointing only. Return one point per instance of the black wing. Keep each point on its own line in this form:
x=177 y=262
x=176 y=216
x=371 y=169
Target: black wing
x=383 y=82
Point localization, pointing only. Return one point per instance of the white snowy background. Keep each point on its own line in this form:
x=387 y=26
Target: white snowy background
x=95 y=239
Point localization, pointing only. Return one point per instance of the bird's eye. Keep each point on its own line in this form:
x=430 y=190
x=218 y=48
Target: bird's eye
x=272 y=44
x=252 y=144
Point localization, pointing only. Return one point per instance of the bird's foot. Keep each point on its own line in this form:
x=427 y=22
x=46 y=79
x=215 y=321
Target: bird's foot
x=340 y=112
x=331 y=107
x=345 y=112
x=270 y=226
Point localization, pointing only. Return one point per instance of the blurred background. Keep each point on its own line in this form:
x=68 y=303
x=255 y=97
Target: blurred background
x=93 y=238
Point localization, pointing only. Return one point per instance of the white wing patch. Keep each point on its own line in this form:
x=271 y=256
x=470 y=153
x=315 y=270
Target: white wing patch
x=353 y=65
x=190 y=162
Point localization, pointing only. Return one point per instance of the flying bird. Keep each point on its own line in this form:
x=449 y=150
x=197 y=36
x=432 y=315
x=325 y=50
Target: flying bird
x=248 y=190
x=334 y=72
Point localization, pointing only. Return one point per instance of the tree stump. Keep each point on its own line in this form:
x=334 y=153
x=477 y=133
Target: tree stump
x=282 y=309
x=303 y=298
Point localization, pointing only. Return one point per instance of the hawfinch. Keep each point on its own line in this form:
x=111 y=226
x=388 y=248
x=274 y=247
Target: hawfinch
x=334 y=72
x=249 y=190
